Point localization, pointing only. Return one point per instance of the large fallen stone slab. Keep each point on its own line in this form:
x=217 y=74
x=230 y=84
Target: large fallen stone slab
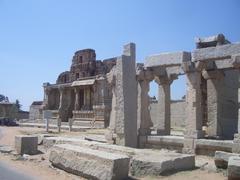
x=89 y=163
x=159 y=163
x=234 y=168
x=221 y=158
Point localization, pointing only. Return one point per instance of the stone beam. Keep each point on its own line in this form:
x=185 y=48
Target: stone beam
x=167 y=59
x=216 y=53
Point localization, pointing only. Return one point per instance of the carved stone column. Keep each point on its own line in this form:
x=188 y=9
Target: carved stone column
x=76 y=104
x=236 y=141
x=111 y=132
x=46 y=96
x=194 y=114
x=144 y=119
x=164 y=102
x=144 y=77
x=60 y=109
x=213 y=78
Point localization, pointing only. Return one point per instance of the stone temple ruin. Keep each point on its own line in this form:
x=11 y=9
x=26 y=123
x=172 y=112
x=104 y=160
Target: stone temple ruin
x=113 y=93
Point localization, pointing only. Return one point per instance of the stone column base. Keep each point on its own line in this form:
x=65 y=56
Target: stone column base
x=236 y=143
x=110 y=137
x=142 y=140
x=189 y=146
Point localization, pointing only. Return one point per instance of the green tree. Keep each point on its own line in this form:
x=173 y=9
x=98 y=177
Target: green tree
x=18 y=105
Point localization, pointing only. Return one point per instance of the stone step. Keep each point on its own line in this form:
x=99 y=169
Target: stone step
x=89 y=163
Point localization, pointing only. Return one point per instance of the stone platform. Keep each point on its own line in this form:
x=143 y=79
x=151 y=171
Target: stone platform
x=203 y=146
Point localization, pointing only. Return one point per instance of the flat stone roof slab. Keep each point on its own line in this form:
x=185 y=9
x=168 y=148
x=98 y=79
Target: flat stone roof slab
x=167 y=59
x=216 y=53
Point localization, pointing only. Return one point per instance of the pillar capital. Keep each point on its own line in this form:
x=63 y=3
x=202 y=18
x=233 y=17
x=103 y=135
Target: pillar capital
x=213 y=74
x=144 y=75
x=163 y=80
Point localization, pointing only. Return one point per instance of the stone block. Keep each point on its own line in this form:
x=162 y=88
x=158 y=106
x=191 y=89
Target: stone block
x=25 y=144
x=89 y=163
x=216 y=53
x=221 y=159
x=236 y=144
x=155 y=164
x=167 y=59
x=210 y=41
x=233 y=168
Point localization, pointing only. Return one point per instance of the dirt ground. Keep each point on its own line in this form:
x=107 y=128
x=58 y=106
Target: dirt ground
x=39 y=166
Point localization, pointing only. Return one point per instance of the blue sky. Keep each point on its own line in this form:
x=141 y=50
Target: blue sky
x=38 y=38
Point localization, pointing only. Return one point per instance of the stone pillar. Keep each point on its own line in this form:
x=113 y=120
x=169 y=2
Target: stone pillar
x=144 y=119
x=213 y=78
x=236 y=141
x=164 y=102
x=60 y=109
x=126 y=98
x=46 y=96
x=194 y=114
x=76 y=104
x=111 y=132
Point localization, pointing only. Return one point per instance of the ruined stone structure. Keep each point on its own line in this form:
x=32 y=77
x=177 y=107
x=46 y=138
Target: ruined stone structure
x=211 y=98
x=81 y=93
x=118 y=88
x=36 y=110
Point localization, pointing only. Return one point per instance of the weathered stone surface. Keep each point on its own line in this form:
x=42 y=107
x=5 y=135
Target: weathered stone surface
x=234 y=168
x=126 y=98
x=167 y=59
x=160 y=163
x=221 y=158
x=25 y=144
x=92 y=164
x=216 y=53
x=163 y=126
x=210 y=41
x=236 y=143
x=144 y=119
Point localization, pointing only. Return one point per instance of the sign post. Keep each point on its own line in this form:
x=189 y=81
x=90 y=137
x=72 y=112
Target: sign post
x=47 y=115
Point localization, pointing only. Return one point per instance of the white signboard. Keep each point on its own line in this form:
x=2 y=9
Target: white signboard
x=47 y=114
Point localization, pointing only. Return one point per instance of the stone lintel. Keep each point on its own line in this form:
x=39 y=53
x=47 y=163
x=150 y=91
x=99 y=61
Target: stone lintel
x=216 y=53
x=167 y=59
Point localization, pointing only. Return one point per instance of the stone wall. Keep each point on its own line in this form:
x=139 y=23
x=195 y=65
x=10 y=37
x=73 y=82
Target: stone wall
x=178 y=114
